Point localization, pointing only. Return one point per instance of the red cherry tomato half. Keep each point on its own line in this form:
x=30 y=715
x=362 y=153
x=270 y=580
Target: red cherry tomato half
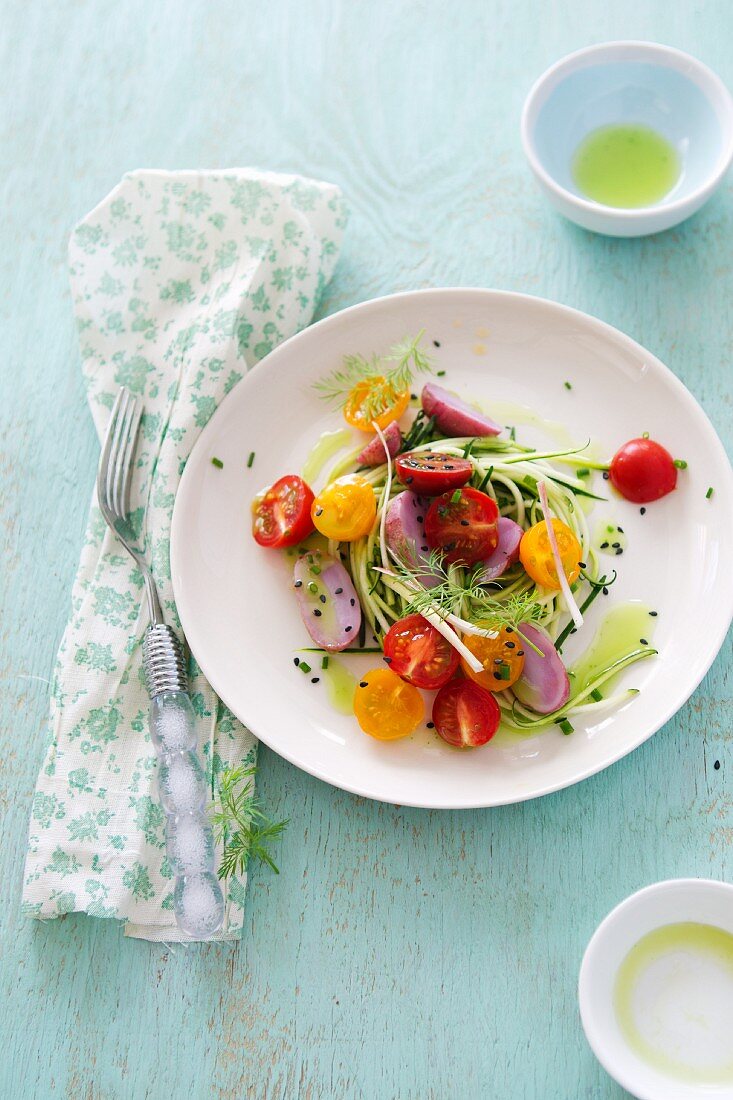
x=419 y=653
x=642 y=471
x=463 y=524
x=465 y=714
x=281 y=516
x=429 y=473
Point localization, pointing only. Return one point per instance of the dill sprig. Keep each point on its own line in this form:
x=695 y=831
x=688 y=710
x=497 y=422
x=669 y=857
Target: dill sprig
x=388 y=382
x=240 y=825
x=446 y=598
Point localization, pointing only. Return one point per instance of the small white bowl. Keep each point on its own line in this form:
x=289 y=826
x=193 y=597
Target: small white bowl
x=702 y=901
x=629 y=82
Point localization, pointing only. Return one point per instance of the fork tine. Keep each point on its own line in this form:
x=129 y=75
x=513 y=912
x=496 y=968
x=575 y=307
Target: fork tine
x=122 y=457
x=104 y=460
x=115 y=451
x=129 y=455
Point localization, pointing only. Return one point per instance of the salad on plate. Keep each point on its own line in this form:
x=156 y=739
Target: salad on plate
x=461 y=558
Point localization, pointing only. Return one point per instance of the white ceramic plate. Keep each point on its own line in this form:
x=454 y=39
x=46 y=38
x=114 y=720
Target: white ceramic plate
x=239 y=613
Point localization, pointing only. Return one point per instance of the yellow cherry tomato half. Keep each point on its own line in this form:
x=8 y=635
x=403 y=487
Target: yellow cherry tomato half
x=535 y=554
x=345 y=510
x=502 y=658
x=393 y=402
x=387 y=707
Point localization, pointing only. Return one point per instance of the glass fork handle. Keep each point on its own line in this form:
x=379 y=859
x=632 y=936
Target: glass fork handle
x=198 y=903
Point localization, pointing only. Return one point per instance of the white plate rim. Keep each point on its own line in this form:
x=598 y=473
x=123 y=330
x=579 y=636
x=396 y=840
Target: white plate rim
x=360 y=309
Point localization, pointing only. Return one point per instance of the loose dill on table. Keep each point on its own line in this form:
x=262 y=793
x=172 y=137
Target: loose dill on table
x=240 y=824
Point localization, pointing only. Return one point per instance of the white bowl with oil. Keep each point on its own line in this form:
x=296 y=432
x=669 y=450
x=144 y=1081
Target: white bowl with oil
x=650 y=88
x=656 y=991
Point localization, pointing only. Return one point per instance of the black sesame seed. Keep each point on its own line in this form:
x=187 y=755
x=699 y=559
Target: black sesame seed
x=347 y=630
x=298 y=584
x=352 y=601
x=322 y=599
x=498 y=676
x=615 y=545
x=605 y=591
x=605 y=475
x=436 y=343
x=643 y=641
x=409 y=480
x=315 y=679
x=716 y=765
x=296 y=661
x=604 y=546
x=498 y=660
x=413 y=396
x=520 y=653
x=642 y=511
x=419 y=519
x=363 y=684
x=574 y=630
x=449 y=467
x=387 y=660
x=620 y=530
x=654 y=614
x=319 y=511
x=317 y=612
x=509 y=645
x=424 y=547
x=338 y=591
x=581 y=564
x=619 y=551
x=465 y=523
x=509 y=629
x=430 y=725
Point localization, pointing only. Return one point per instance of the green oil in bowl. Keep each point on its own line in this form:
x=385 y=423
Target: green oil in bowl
x=673 y=999
x=625 y=166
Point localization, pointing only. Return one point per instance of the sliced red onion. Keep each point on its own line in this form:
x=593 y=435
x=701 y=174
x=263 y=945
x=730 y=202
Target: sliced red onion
x=544 y=685
x=405 y=533
x=453 y=416
x=327 y=600
x=373 y=454
x=506 y=553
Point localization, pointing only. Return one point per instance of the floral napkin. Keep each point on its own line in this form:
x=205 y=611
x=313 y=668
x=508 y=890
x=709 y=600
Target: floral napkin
x=181 y=281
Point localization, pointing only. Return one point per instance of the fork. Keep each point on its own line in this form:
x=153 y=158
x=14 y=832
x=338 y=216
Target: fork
x=198 y=903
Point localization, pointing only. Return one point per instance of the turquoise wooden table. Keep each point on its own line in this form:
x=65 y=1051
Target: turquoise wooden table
x=400 y=953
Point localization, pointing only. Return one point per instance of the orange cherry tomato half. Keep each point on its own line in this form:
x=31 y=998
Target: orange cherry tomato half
x=535 y=553
x=387 y=707
x=281 y=515
x=419 y=653
x=502 y=658
x=346 y=509
x=355 y=413
x=642 y=471
x=465 y=714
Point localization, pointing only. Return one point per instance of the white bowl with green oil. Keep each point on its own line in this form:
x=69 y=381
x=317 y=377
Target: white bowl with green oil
x=628 y=138
x=656 y=991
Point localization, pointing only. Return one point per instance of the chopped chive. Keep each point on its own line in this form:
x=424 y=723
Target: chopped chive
x=218 y=463
x=315 y=570
x=645 y=435
x=440 y=373
x=313 y=588
x=565 y=726
x=567 y=386
x=324 y=662
x=456 y=498
x=513 y=434
x=709 y=493
x=305 y=667
x=486 y=479
x=596 y=694
x=582 y=472
x=468 y=448
x=503 y=672
x=680 y=464
x=251 y=459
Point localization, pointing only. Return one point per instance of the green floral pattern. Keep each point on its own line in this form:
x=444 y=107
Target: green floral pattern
x=181 y=282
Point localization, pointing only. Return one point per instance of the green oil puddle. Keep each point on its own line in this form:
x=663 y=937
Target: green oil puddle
x=609 y=538
x=624 y=628
x=673 y=999
x=328 y=445
x=625 y=166
x=340 y=686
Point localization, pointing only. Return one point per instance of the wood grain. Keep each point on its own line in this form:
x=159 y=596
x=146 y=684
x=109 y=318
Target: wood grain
x=400 y=953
